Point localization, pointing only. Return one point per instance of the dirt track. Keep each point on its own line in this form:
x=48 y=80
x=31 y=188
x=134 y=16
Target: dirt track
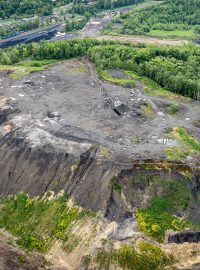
x=95 y=27
x=146 y=40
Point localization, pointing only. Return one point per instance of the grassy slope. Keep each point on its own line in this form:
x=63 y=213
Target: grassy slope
x=24 y=68
x=39 y=222
x=154 y=89
x=176 y=34
x=159 y=217
x=188 y=144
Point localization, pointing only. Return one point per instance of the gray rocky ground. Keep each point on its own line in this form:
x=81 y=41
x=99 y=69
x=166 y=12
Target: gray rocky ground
x=67 y=103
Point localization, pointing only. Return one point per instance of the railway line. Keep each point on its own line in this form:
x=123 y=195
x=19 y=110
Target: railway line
x=31 y=36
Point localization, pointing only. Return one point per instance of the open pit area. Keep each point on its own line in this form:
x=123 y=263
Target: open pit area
x=65 y=128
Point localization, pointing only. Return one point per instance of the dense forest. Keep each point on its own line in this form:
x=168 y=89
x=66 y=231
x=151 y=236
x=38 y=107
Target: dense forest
x=45 y=7
x=72 y=25
x=25 y=7
x=174 y=68
x=98 y=5
x=169 y=16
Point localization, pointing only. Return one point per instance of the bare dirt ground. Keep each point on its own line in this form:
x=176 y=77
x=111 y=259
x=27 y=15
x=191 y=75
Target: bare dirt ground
x=145 y=40
x=95 y=26
x=67 y=101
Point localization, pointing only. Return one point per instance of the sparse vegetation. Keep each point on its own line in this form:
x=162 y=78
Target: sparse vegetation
x=174 y=109
x=38 y=222
x=148 y=111
x=136 y=140
x=23 y=68
x=124 y=82
x=186 y=138
x=188 y=144
x=116 y=184
x=146 y=256
x=79 y=69
x=159 y=217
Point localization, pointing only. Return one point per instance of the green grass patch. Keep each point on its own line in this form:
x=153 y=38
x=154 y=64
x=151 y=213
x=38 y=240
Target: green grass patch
x=188 y=144
x=174 y=153
x=184 y=34
x=39 y=222
x=187 y=139
x=152 y=88
x=123 y=82
x=159 y=217
x=23 y=69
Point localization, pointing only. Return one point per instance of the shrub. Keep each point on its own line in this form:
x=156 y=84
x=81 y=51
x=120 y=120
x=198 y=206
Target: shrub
x=38 y=222
x=147 y=256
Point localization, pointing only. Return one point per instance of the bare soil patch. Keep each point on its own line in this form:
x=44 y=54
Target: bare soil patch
x=145 y=40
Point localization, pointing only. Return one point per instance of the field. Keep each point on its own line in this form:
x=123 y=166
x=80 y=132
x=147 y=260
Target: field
x=177 y=34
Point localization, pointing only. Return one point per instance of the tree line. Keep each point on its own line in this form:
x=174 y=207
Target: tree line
x=176 y=68
x=80 y=7
x=10 y=8
x=26 y=25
